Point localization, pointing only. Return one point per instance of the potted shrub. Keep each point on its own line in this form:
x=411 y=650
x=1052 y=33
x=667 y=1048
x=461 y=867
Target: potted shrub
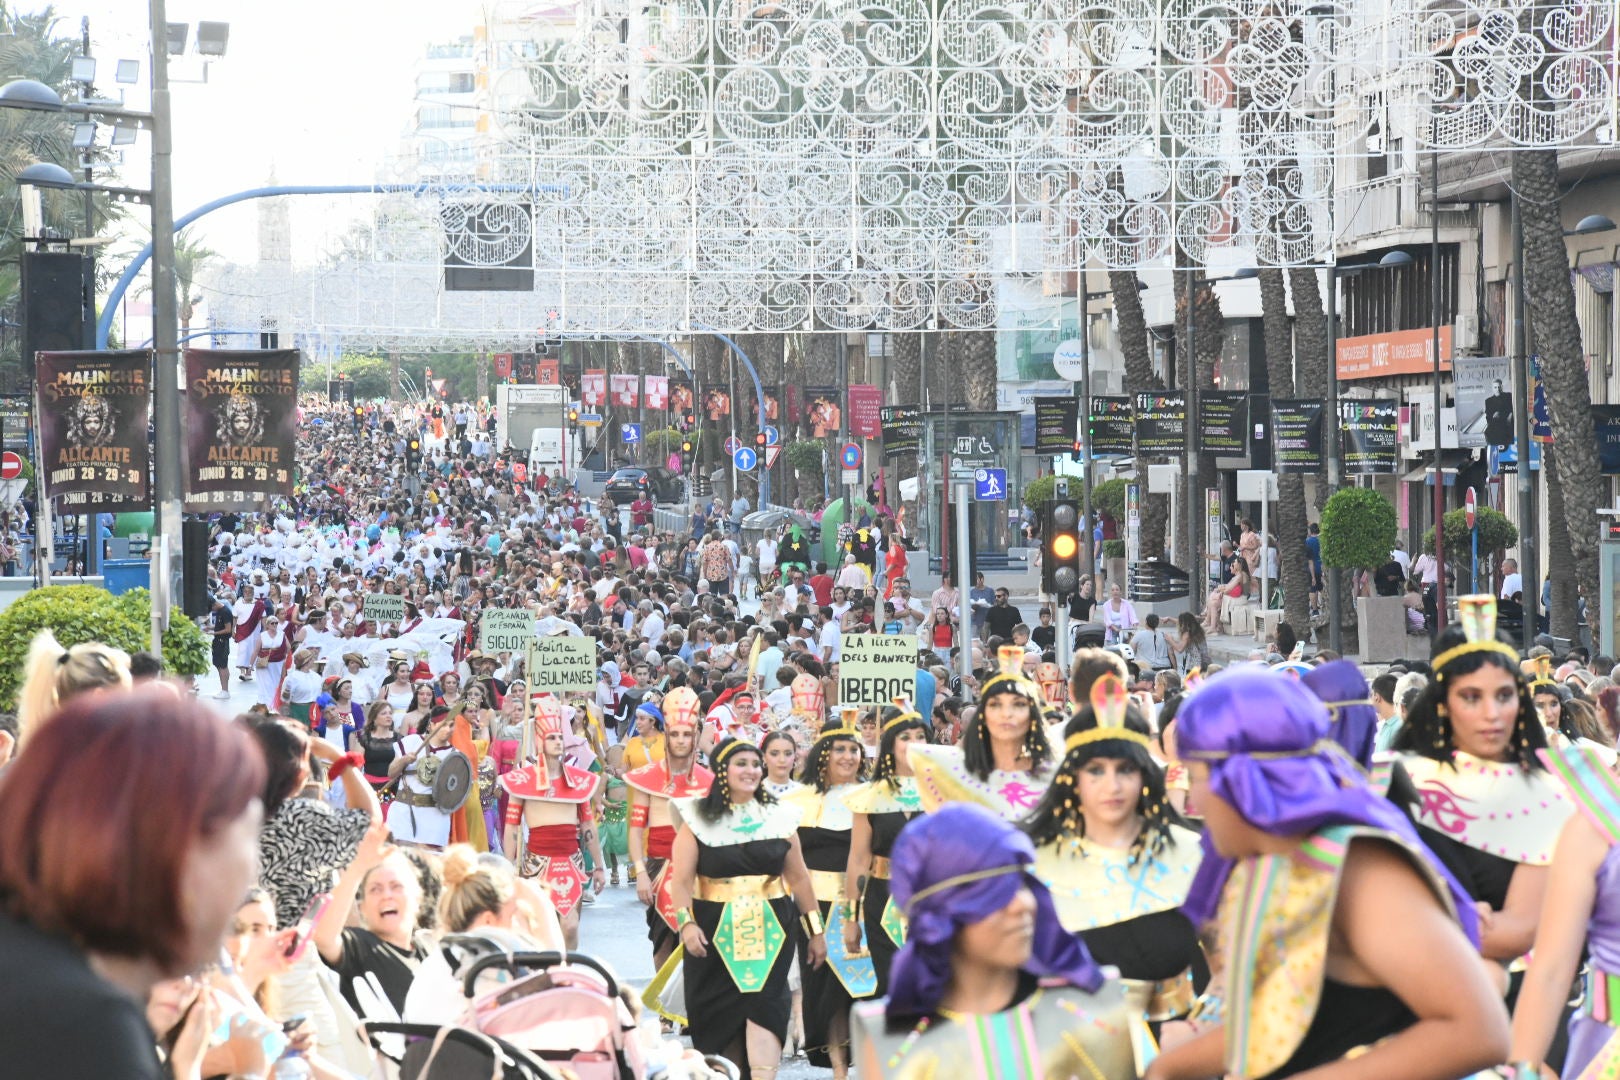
x=1496 y=535
x=1358 y=533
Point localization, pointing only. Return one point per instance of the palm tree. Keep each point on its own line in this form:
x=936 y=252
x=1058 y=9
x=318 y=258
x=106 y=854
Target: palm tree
x=190 y=257
x=1139 y=375
x=1575 y=474
x=1290 y=526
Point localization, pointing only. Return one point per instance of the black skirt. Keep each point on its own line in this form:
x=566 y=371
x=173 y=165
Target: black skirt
x=717 y=1011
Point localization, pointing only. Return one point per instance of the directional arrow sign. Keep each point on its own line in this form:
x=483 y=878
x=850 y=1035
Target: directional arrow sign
x=772 y=437
x=745 y=458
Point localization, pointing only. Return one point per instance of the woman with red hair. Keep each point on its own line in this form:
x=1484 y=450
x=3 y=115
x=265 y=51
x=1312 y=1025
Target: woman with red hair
x=128 y=835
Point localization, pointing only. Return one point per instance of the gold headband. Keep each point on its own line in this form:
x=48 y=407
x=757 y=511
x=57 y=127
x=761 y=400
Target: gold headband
x=901 y=719
x=962 y=879
x=1539 y=683
x=1488 y=645
x=1319 y=748
x=1104 y=734
x=728 y=750
x=839 y=733
x=1018 y=683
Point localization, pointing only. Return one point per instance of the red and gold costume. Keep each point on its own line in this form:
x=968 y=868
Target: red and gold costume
x=681 y=711
x=551 y=852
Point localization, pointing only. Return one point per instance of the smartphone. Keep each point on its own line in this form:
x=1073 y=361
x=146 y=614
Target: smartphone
x=292 y=1023
x=306 y=925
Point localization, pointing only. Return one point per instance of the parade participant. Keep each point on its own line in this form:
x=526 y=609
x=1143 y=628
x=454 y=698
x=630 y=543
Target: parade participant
x=414 y=817
x=652 y=831
x=397 y=688
x=301 y=686
x=247 y=612
x=881 y=808
x=1578 y=922
x=1486 y=806
x=379 y=741
x=809 y=702
x=548 y=818
x=1114 y=856
x=423 y=701
x=1342 y=938
x=1005 y=760
x=738 y=879
x=832 y=771
x=988 y=982
x=646 y=746
x=615 y=808
x=338 y=718
x=1344 y=691
x=113 y=876
x=52 y=676
x=780 y=752
x=269 y=659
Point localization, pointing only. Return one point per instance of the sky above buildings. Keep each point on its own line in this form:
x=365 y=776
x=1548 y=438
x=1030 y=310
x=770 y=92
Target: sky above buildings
x=317 y=90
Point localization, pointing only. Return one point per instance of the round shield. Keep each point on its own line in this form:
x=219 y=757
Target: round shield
x=453 y=782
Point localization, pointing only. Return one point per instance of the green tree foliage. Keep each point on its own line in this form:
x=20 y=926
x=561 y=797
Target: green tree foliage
x=35 y=51
x=80 y=613
x=1496 y=532
x=1358 y=529
x=1038 y=490
x=1108 y=498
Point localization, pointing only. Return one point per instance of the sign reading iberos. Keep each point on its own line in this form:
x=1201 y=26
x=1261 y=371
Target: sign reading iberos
x=241 y=408
x=92 y=425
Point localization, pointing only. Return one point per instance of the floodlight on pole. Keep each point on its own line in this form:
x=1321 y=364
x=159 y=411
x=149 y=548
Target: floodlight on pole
x=84 y=135
x=128 y=72
x=176 y=35
x=124 y=134
x=83 y=70
x=212 y=37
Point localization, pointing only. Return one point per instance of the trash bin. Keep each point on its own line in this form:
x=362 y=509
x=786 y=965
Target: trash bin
x=123 y=575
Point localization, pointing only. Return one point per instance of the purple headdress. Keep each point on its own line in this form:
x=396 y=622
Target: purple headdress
x=1266 y=741
x=958 y=866
x=1343 y=689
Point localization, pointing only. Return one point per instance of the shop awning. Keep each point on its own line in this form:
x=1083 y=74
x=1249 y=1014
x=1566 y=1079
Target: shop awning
x=1450 y=461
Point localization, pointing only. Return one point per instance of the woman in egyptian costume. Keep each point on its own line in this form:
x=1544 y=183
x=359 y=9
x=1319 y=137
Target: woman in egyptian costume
x=833 y=770
x=1485 y=803
x=1116 y=857
x=743 y=897
x=1343 y=941
x=882 y=808
x=1005 y=760
x=989 y=985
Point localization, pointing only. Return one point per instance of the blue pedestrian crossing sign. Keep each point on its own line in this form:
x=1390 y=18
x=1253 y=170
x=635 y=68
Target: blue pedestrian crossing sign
x=745 y=458
x=631 y=433
x=989 y=485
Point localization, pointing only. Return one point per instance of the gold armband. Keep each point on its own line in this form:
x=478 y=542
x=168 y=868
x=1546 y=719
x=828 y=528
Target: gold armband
x=683 y=916
x=812 y=923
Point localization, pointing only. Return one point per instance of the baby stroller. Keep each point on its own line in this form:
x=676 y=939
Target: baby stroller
x=431 y=1052
x=563 y=1009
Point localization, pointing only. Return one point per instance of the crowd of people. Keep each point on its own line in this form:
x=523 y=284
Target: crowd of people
x=1154 y=868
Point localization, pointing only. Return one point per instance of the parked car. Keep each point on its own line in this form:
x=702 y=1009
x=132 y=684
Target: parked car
x=625 y=484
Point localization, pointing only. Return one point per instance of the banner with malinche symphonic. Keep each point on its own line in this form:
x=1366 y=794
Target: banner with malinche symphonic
x=93 y=415
x=241 y=416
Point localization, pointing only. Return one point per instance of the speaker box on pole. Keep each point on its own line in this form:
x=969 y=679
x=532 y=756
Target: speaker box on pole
x=53 y=304
x=194 y=557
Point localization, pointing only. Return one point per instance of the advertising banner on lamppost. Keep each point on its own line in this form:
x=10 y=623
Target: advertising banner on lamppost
x=1371 y=432
x=241 y=414
x=1296 y=427
x=1113 y=433
x=1484 y=400
x=902 y=430
x=1161 y=422
x=1223 y=421
x=93 y=415
x=1055 y=420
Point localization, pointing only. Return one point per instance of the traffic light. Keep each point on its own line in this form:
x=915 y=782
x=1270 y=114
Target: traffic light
x=690 y=420
x=413 y=453
x=1060 y=547
x=759 y=440
x=573 y=416
x=686 y=446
